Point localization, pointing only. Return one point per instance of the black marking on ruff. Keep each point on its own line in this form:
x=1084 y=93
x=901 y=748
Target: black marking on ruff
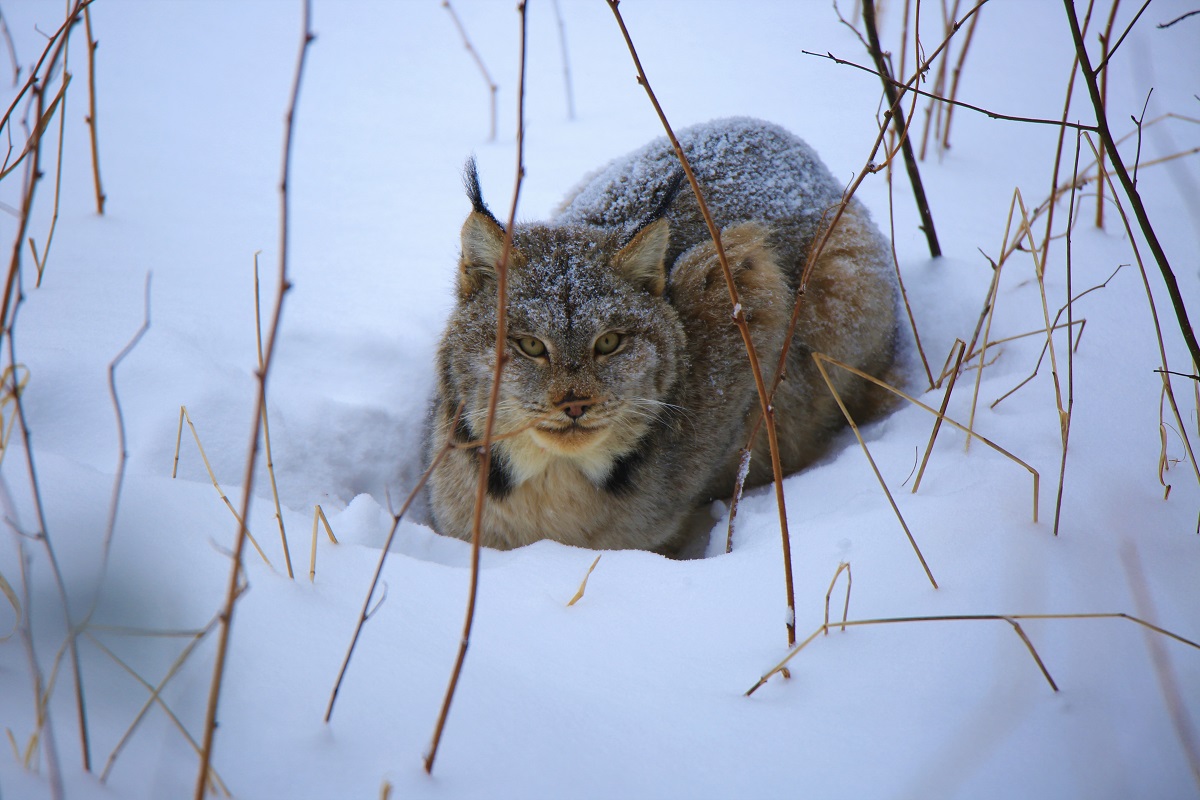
x=620 y=480
x=500 y=483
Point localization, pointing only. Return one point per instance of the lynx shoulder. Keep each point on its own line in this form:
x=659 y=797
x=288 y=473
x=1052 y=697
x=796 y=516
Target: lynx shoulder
x=626 y=395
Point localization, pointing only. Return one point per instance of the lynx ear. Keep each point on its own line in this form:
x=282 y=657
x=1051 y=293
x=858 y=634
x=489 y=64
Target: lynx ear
x=641 y=261
x=482 y=246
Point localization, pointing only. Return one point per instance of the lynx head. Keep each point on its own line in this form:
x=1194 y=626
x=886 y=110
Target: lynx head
x=594 y=351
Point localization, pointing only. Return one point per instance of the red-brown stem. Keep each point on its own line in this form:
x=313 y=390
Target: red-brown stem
x=1066 y=422
x=91 y=118
x=387 y=547
x=910 y=161
x=739 y=319
x=1105 y=38
x=235 y=571
x=818 y=248
x=479 y=63
x=54 y=48
x=1135 y=199
x=8 y=314
x=493 y=399
x=958 y=67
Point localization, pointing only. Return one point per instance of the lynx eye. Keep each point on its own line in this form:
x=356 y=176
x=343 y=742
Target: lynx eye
x=534 y=348
x=608 y=343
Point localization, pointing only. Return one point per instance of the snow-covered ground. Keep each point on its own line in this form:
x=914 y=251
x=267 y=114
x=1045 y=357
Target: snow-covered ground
x=636 y=690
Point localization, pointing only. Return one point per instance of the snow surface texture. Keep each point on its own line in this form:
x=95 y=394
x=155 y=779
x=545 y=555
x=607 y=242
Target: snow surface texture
x=637 y=689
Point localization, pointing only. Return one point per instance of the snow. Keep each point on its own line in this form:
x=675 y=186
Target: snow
x=637 y=689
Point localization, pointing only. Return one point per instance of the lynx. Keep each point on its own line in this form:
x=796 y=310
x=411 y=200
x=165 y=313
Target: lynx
x=626 y=395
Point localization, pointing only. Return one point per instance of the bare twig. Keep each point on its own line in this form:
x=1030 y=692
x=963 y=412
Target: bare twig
x=910 y=161
x=842 y=567
x=1185 y=729
x=736 y=499
x=906 y=87
x=235 y=570
x=1066 y=415
x=266 y=429
x=122 y=451
x=1011 y=619
x=566 y=62
x=492 y=88
x=739 y=318
x=960 y=347
x=493 y=400
x=44 y=727
x=185 y=416
x=61 y=102
x=91 y=117
x=583 y=585
x=1113 y=50
x=16 y=67
x=1162 y=349
x=958 y=68
x=8 y=316
x=1135 y=200
x=318 y=515
x=821 y=359
x=53 y=50
x=1105 y=38
x=365 y=614
x=1180 y=18
x=155 y=694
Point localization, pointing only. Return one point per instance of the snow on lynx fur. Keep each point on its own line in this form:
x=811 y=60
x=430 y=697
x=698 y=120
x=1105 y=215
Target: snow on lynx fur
x=627 y=395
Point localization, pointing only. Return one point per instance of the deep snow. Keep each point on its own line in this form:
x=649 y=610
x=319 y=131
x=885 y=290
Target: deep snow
x=637 y=689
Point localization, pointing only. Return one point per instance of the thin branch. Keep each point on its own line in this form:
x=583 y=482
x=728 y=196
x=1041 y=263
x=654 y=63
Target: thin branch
x=1113 y=50
x=12 y=50
x=1011 y=619
x=122 y=451
x=492 y=88
x=1135 y=200
x=493 y=400
x=91 y=117
x=566 y=62
x=905 y=86
x=739 y=318
x=1180 y=18
x=266 y=429
x=910 y=160
x=226 y=615
x=383 y=554
x=821 y=360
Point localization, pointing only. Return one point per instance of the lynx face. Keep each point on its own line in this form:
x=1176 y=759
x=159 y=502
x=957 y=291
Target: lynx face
x=594 y=352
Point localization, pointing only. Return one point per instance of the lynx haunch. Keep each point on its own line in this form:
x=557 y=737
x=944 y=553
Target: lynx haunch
x=627 y=395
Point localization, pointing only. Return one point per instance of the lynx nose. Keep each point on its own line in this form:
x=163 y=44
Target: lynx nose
x=574 y=406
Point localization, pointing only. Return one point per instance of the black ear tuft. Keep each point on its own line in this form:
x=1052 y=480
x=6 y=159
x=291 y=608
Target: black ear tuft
x=471 y=183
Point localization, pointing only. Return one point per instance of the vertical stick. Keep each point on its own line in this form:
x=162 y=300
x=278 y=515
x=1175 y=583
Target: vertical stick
x=1105 y=38
x=235 y=570
x=91 y=117
x=739 y=318
x=910 y=161
x=266 y=429
x=1066 y=421
x=562 y=44
x=1135 y=199
x=493 y=400
x=479 y=63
